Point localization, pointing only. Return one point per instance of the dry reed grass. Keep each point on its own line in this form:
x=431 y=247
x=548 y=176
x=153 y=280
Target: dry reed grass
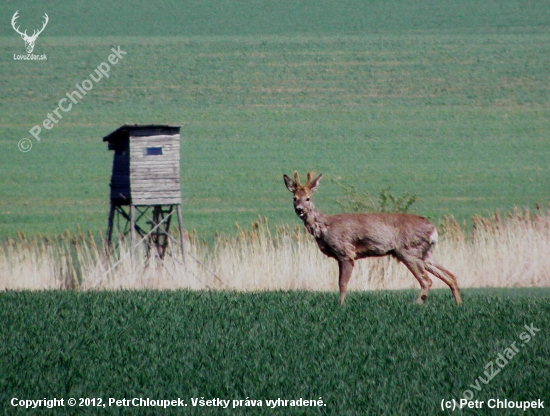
x=510 y=251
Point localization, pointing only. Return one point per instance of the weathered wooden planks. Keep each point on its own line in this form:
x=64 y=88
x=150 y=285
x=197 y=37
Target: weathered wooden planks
x=141 y=176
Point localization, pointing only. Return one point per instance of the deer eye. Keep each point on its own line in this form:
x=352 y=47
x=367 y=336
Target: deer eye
x=307 y=199
x=295 y=198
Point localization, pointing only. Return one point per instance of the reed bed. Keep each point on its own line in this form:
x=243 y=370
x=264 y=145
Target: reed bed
x=510 y=250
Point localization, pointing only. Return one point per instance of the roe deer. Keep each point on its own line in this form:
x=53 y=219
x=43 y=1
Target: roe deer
x=349 y=237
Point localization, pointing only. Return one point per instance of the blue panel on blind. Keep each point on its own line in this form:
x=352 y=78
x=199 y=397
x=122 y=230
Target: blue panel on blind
x=152 y=151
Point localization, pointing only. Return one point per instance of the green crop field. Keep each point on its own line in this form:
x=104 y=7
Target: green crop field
x=447 y=100
x=379 y=355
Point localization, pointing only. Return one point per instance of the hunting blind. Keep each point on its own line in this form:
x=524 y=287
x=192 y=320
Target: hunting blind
x=145 y=186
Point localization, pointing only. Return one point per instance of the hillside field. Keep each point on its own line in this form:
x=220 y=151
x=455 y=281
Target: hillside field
x=447 y=100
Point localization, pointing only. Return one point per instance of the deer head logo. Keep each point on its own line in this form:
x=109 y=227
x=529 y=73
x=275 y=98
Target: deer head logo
x=29 y=40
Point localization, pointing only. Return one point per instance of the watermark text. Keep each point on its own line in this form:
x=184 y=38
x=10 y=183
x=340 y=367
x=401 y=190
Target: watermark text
x=65 y=104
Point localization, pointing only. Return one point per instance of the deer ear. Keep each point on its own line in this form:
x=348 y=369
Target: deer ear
x=290 y=184
x=315 y=183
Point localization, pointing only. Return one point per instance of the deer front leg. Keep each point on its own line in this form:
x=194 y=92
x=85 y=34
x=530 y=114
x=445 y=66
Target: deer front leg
x=345 y=267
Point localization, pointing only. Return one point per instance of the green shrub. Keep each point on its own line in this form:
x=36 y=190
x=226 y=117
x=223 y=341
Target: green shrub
x=361 y=201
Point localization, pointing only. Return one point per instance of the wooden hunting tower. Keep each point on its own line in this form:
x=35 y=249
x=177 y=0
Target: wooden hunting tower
x=145 y=186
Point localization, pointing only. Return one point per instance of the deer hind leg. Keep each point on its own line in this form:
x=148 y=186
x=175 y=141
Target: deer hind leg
x=345 y=267
x=416 y=267
x=445 y=275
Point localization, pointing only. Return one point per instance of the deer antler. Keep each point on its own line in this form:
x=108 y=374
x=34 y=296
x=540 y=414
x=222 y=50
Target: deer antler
x=35 y=32
x=309 y=178
x=13 y=19
x=46 y=20
x=297 y=179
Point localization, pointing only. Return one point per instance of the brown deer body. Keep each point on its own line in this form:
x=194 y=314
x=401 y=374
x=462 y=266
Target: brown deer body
x=349 y=237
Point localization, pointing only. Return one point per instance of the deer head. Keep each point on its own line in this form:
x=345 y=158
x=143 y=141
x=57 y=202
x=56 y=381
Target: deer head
x=302 y=193
x=29 y=40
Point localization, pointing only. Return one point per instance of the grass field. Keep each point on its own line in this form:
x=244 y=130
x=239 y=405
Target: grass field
x=501 y=251
x=450 y=106
x=378 y=355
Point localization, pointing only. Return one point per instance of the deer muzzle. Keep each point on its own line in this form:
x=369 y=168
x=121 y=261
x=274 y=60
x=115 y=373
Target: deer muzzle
x=300 y=211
